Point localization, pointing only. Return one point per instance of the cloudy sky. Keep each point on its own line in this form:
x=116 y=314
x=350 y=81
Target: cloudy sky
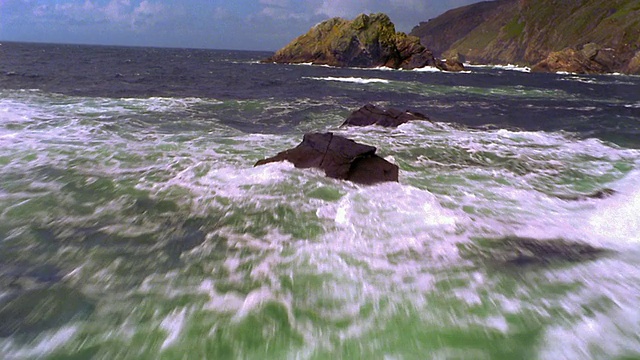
x=231 y=24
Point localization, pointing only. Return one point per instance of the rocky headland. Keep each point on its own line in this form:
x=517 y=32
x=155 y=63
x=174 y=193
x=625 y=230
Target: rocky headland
x=367 y=41
x=578 y=36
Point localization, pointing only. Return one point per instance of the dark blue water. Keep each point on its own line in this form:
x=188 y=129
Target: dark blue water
x=606 y=107
x=133 y=224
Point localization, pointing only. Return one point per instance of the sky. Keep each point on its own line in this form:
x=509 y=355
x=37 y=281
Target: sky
x=215 y=24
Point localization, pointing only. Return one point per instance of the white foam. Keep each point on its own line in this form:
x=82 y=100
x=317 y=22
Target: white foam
x=390 y=218
x=173 y=325
x=45 y=344
x=617 y=218
x=610 y=329
x=356 y=80
x=253 y=300
x=232 y=182
x=431 y=69
x=575 y=77
x=384 y=68
x=391 y=202
x=579 y=341
x=512 y=67
x=228 y=302
x=509 y=67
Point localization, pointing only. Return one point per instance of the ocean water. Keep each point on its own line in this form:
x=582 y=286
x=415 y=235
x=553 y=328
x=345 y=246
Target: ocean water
x=133 y=224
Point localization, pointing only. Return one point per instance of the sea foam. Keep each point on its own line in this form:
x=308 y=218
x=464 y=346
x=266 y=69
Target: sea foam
x=616 y=219
x=356 y=80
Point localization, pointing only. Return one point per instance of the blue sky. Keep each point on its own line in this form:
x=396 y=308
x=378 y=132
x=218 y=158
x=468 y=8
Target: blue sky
x=239 y=24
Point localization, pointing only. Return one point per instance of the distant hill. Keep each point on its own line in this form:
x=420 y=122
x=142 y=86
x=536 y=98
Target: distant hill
x=599 y=35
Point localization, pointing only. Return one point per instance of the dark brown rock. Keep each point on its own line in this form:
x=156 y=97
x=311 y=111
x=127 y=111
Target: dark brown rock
x=451 y=65
x=633 y=66
x=339 y=157
x=412 y=55
x=420 y=60
x=570 y=60
x=372 y=115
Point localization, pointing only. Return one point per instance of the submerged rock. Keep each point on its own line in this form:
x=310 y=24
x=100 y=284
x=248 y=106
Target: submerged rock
x=367 y=41
x=600 y=194
x=33 y=312
x=339 y=157
x=520 y=251
x=373 y=115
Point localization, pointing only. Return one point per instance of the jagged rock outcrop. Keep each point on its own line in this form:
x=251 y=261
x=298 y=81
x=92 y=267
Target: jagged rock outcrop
x=373 y=115
x=570 y=60
x=633 y=67
x=592 y=59
x=339 y=157
x=367 y=41
x=527 y=32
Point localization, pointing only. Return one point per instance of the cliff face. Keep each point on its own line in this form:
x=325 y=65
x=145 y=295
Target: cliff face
x=443 y=31
x=366 y=41
x=527 y=31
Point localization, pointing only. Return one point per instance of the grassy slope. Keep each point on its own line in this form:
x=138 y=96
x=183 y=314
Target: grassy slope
x=439 y=33
x=526 y=31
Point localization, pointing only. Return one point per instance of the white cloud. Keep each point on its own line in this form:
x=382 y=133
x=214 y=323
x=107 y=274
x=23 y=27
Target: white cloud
x=282 y=10
x=133 y=15
x=117 y=10
x=41 y=10
x=246 y=24
x=276 y=3
x=221 y=13
x=333 y=8
x=404 y=13
x=277 y=14
x=147 y=13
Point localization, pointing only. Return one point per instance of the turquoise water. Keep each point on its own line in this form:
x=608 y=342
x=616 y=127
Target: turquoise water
x=138 y=228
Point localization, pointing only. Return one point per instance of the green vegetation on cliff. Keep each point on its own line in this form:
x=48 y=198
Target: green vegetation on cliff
x=528 y=31
x=366 y=41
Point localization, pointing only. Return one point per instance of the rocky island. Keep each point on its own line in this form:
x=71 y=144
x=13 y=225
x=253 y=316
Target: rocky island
x=367 y=41
x=578 y=36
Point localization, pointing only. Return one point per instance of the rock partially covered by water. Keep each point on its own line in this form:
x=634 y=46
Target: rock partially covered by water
x=36 y=311
x=600 y=194
x=367 y=41
x=521 y=251
x=373 y=115
x=339 y=157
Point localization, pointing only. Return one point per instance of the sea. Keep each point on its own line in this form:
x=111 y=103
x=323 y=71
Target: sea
x=134 y=225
